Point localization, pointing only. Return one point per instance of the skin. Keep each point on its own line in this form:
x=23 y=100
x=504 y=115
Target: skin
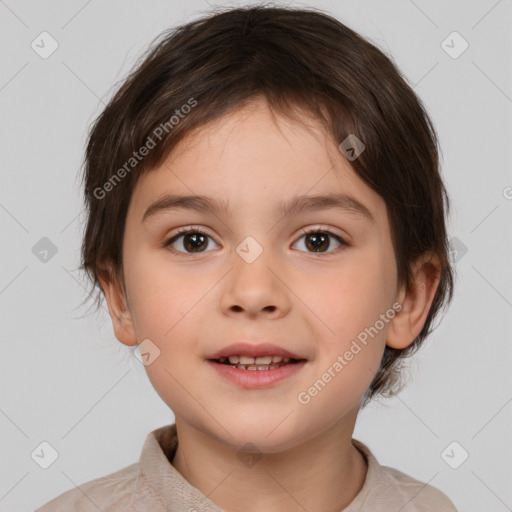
x=312 y=303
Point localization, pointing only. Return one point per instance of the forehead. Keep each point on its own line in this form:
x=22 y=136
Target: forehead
x=256 y=156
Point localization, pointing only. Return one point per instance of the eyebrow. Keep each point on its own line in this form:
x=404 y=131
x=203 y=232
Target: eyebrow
x=295 y=205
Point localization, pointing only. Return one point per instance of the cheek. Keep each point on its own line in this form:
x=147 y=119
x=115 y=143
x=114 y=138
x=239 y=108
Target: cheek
x=350 y=296
x=159 y=296
x=165 y=308
x=348 y=303
x=167 y=304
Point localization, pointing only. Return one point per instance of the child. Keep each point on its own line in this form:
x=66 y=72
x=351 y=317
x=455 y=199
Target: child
x=266 y=220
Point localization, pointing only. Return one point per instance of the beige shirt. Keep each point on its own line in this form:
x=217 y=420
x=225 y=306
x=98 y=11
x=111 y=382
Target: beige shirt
x=153 y=484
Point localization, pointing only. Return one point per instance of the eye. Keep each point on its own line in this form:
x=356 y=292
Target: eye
x=318 y=240
x=191 y=240
x=194 y=240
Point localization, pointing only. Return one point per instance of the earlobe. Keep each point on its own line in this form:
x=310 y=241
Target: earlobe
x=117 y=307
x=416 y=302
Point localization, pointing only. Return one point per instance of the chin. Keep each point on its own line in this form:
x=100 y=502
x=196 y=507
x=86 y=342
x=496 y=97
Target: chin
x=262 y=433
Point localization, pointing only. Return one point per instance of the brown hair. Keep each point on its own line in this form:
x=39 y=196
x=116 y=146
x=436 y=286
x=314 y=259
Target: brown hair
x=294 y=58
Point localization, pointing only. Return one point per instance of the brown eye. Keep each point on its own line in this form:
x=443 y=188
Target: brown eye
x=320 y=241
x=189 y=241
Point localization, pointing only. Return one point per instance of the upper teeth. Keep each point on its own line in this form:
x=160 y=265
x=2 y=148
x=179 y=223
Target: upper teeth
x=255 y=360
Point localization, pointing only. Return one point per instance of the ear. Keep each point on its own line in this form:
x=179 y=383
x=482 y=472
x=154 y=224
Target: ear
x=118 y=307
x=415 y=301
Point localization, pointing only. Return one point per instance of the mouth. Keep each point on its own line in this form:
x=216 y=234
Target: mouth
x=256 y=372
x=255 y=365
x=260 y=363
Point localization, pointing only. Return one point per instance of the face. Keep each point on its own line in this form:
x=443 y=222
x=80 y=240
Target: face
x=252 y=275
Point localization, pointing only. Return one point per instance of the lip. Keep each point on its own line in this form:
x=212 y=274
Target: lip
x=255 y=379
x=253 y=350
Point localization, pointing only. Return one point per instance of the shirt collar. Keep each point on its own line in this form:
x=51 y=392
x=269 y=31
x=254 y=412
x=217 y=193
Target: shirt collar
x=173 y=490
x=167 y=482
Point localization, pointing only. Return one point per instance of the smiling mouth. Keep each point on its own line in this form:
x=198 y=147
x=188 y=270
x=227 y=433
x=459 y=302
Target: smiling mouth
x=256 y=363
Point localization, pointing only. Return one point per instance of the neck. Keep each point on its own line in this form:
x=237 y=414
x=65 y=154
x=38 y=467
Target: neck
x=325 y=473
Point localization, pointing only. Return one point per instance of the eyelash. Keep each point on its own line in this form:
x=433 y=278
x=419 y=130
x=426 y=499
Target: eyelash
x=304 y=232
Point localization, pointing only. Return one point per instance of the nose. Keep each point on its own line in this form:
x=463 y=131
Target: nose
x=255 y=289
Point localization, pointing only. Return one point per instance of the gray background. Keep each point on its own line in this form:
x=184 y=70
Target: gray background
x=66 y=380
